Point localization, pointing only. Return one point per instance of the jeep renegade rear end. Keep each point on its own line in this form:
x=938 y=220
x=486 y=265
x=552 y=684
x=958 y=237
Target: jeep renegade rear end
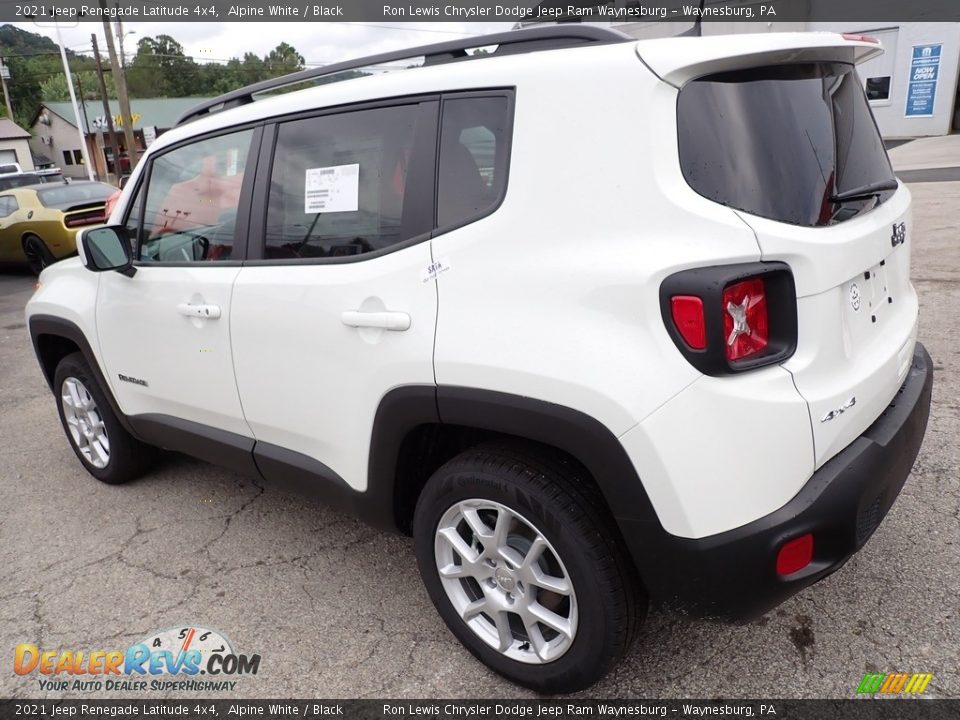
x=600 y=322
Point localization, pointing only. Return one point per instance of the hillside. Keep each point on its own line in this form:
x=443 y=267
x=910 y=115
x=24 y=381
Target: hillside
x=33 y=59
x=16 y=41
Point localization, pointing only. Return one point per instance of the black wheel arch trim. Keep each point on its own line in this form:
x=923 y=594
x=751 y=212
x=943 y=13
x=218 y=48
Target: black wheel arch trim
x=52 y=326
x=574 y=432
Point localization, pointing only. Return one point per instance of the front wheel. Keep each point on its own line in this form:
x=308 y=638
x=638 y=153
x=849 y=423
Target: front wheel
x=523 y=563
x=105 y=448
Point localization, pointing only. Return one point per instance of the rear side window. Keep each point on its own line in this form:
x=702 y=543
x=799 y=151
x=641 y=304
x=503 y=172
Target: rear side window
x=783 y=142
x=343 y=184
x=8 y=205
x=474 y=134
x=64 y=195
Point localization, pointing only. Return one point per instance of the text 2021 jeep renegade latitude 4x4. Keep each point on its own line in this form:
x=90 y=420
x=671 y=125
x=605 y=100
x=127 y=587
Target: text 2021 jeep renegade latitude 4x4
x=600 y=322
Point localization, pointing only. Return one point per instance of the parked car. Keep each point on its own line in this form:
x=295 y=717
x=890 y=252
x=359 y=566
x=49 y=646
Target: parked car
x=30 y=178
x=10 y=169
x=39 y=223
x=601 y=323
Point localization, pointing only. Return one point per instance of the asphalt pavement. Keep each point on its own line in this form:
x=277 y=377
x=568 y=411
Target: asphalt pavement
x=336 y=609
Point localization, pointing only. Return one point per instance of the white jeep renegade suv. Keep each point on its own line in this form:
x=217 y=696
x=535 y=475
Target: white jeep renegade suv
x=602 y=323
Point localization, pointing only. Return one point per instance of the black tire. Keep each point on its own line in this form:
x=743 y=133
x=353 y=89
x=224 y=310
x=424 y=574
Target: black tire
x=565 y=507
x=128 y=457
x=37 y=254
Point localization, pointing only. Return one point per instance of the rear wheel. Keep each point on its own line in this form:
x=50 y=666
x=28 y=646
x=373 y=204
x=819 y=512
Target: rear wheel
x=37 y=254
x=522 y=561
x=105 y=448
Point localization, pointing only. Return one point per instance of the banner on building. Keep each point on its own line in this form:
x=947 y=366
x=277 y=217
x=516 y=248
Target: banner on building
x=924 y=74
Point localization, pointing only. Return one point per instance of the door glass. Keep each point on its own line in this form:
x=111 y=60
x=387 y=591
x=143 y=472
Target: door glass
x=339 y=184
x=192 y=200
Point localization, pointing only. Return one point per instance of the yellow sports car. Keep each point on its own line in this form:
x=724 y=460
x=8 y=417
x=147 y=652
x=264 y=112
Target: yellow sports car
x=39 y=223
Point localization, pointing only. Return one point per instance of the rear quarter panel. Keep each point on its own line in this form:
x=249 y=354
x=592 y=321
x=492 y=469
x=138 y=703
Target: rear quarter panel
x=555 y=295
x=47 y=224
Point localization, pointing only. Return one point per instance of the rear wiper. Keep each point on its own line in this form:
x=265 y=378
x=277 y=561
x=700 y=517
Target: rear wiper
x=865 y=191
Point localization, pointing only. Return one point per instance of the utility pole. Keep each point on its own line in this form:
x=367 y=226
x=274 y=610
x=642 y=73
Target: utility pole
x=126 y=117
x=4 y=74
x=86 y=120
x=73 y=100
x=108 y=116
x=118 y=27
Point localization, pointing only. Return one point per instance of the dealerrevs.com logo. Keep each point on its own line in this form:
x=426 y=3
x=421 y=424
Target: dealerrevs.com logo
x=180 y=658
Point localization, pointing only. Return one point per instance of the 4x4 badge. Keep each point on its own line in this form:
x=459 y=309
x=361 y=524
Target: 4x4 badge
x=899 y=234
x=839 y=411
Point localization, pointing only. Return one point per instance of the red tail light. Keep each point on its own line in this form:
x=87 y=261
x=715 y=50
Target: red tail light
x=90 y=218
x=687 y=312
x=795 y=555
x=746 y=327
x=729 y=319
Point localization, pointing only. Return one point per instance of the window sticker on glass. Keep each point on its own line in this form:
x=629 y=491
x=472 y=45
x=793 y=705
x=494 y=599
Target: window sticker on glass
x=332 y=189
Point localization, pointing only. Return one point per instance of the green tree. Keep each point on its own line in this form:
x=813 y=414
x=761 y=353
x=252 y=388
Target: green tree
x=161 y=69
x=283 y=59
x=54 y=88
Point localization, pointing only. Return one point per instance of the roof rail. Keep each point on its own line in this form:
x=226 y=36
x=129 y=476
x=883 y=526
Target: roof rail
x=508 y=43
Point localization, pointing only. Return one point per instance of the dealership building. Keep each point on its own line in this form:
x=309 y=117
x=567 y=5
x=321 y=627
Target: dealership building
x=56 y=142
x=912 y=86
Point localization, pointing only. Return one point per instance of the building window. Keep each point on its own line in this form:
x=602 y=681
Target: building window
x=67 y=158
x=878 y=88
x=78 y=157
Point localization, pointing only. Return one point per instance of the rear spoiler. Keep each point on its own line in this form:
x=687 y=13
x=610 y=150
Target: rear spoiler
x=680 y=59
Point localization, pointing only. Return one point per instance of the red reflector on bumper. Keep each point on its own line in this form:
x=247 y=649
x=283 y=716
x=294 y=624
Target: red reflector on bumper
x=795 y=555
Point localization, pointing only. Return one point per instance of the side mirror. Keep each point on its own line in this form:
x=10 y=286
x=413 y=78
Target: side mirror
x=123 y=181
x=106 y=248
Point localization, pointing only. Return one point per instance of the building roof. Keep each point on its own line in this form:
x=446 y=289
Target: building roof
x=9 y=130
x=159 y=112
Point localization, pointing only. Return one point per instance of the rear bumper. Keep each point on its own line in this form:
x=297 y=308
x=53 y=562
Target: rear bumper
x=732 y=575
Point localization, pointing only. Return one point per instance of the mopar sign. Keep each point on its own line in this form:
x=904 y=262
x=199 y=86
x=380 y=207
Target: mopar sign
x=922 y=87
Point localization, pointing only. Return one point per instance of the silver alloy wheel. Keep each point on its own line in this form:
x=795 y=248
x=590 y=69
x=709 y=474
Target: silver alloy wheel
x=84 y=423
x=506 y=581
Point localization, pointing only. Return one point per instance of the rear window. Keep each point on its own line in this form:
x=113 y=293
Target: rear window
x=60 y=195
x=784 y=142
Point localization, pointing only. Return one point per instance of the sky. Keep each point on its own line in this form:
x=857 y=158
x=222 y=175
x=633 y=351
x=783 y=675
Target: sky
x=319 y=43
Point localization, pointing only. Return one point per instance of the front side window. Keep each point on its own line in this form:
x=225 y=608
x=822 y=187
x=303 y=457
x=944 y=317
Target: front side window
x=793 y=143
x=340 y=184
x=473 y=157
x=193 y=194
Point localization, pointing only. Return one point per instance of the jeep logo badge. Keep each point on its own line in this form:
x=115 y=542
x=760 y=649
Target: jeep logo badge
x=855 y=297
x=899 y=234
